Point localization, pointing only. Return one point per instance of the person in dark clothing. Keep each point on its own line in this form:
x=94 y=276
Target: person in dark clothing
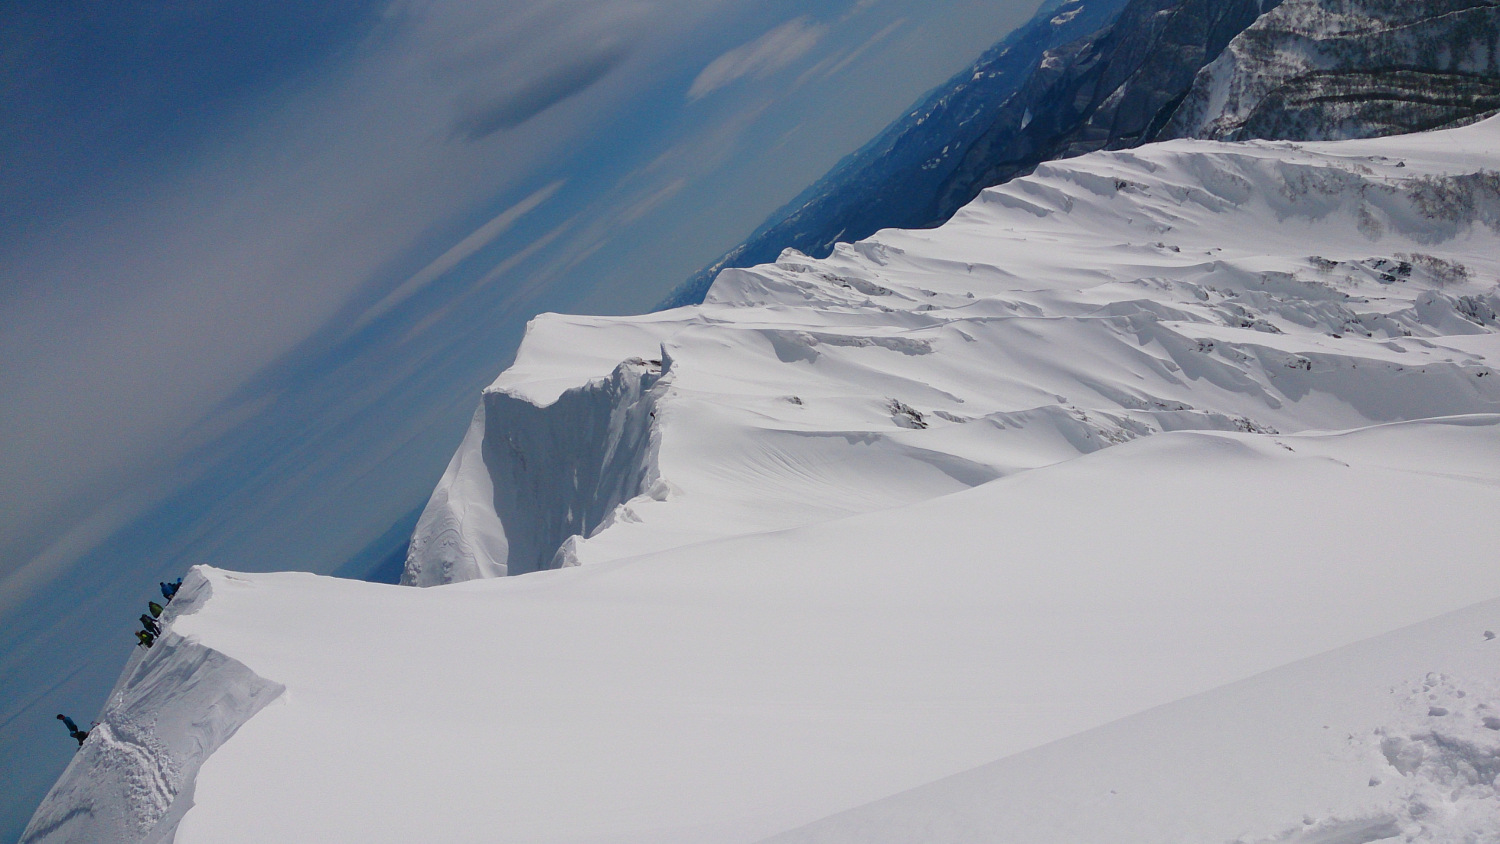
x=146 y=638
x=155 y=608
x=150 y=624
x=169 y=590
x=73 y=730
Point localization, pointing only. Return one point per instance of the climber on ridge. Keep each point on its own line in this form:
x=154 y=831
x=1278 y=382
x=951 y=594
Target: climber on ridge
x=147 y=640
x=155 y=608
x=168 y=590
x=73 y=730
x=150 y=624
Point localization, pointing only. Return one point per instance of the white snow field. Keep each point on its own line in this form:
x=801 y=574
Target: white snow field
x=1394 y=739
x=1124 y=433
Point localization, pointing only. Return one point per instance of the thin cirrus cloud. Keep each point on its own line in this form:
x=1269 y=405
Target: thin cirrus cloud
x=460 y=252
x=760 y=58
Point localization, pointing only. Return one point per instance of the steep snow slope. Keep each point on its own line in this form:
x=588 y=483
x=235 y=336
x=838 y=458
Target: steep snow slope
x=1332 y=69
x=1128 y=430
x=172 y=707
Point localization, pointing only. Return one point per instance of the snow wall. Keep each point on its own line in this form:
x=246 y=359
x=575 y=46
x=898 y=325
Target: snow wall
x=173 y=706
x=529 y=476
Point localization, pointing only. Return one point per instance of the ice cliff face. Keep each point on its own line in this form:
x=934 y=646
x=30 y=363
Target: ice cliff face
x=1261 y=288
x=1331 y=69
x=535 y=470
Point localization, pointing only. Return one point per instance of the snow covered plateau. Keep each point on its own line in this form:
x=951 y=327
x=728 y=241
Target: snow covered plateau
x=1147 y=500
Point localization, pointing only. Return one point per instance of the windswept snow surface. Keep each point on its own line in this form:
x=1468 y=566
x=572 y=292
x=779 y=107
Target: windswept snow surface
x=1126 y=431
x=1393 y=739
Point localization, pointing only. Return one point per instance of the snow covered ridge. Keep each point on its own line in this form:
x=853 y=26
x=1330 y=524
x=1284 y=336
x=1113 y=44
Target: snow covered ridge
x=1184 y=286
x=174 y=705
x=1117 y=440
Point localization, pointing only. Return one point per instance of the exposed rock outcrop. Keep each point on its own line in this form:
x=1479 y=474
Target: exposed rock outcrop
x=1336 y=69
x=1114 y=90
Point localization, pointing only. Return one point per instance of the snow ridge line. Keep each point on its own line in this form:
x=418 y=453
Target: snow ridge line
x=174 y=705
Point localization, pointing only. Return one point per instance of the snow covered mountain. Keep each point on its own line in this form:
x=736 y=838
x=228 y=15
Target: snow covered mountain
x=1287 y=289
x=1082 y=75
x=1086 y=76
x=1336 y=69
x=1124 y=434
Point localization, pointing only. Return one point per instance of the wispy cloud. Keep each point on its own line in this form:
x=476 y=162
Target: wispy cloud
x=652 y=202
x=861 y=49
x=458 y=253
x=481 y=116
x=197 y=271
x=506 y=63
x=762 y=57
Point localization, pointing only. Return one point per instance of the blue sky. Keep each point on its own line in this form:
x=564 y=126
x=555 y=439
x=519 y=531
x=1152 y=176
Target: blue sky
x=256 y=260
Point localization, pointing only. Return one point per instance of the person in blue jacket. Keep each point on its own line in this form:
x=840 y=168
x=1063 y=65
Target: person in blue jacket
x=168 y=590
x=73 y=730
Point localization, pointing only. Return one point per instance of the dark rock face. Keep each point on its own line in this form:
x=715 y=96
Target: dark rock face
x=1336 y=69
x=1082 y=75
x=1111 y=91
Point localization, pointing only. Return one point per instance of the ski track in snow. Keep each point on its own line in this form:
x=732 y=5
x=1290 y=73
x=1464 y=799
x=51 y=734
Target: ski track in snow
x=1124 y=432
